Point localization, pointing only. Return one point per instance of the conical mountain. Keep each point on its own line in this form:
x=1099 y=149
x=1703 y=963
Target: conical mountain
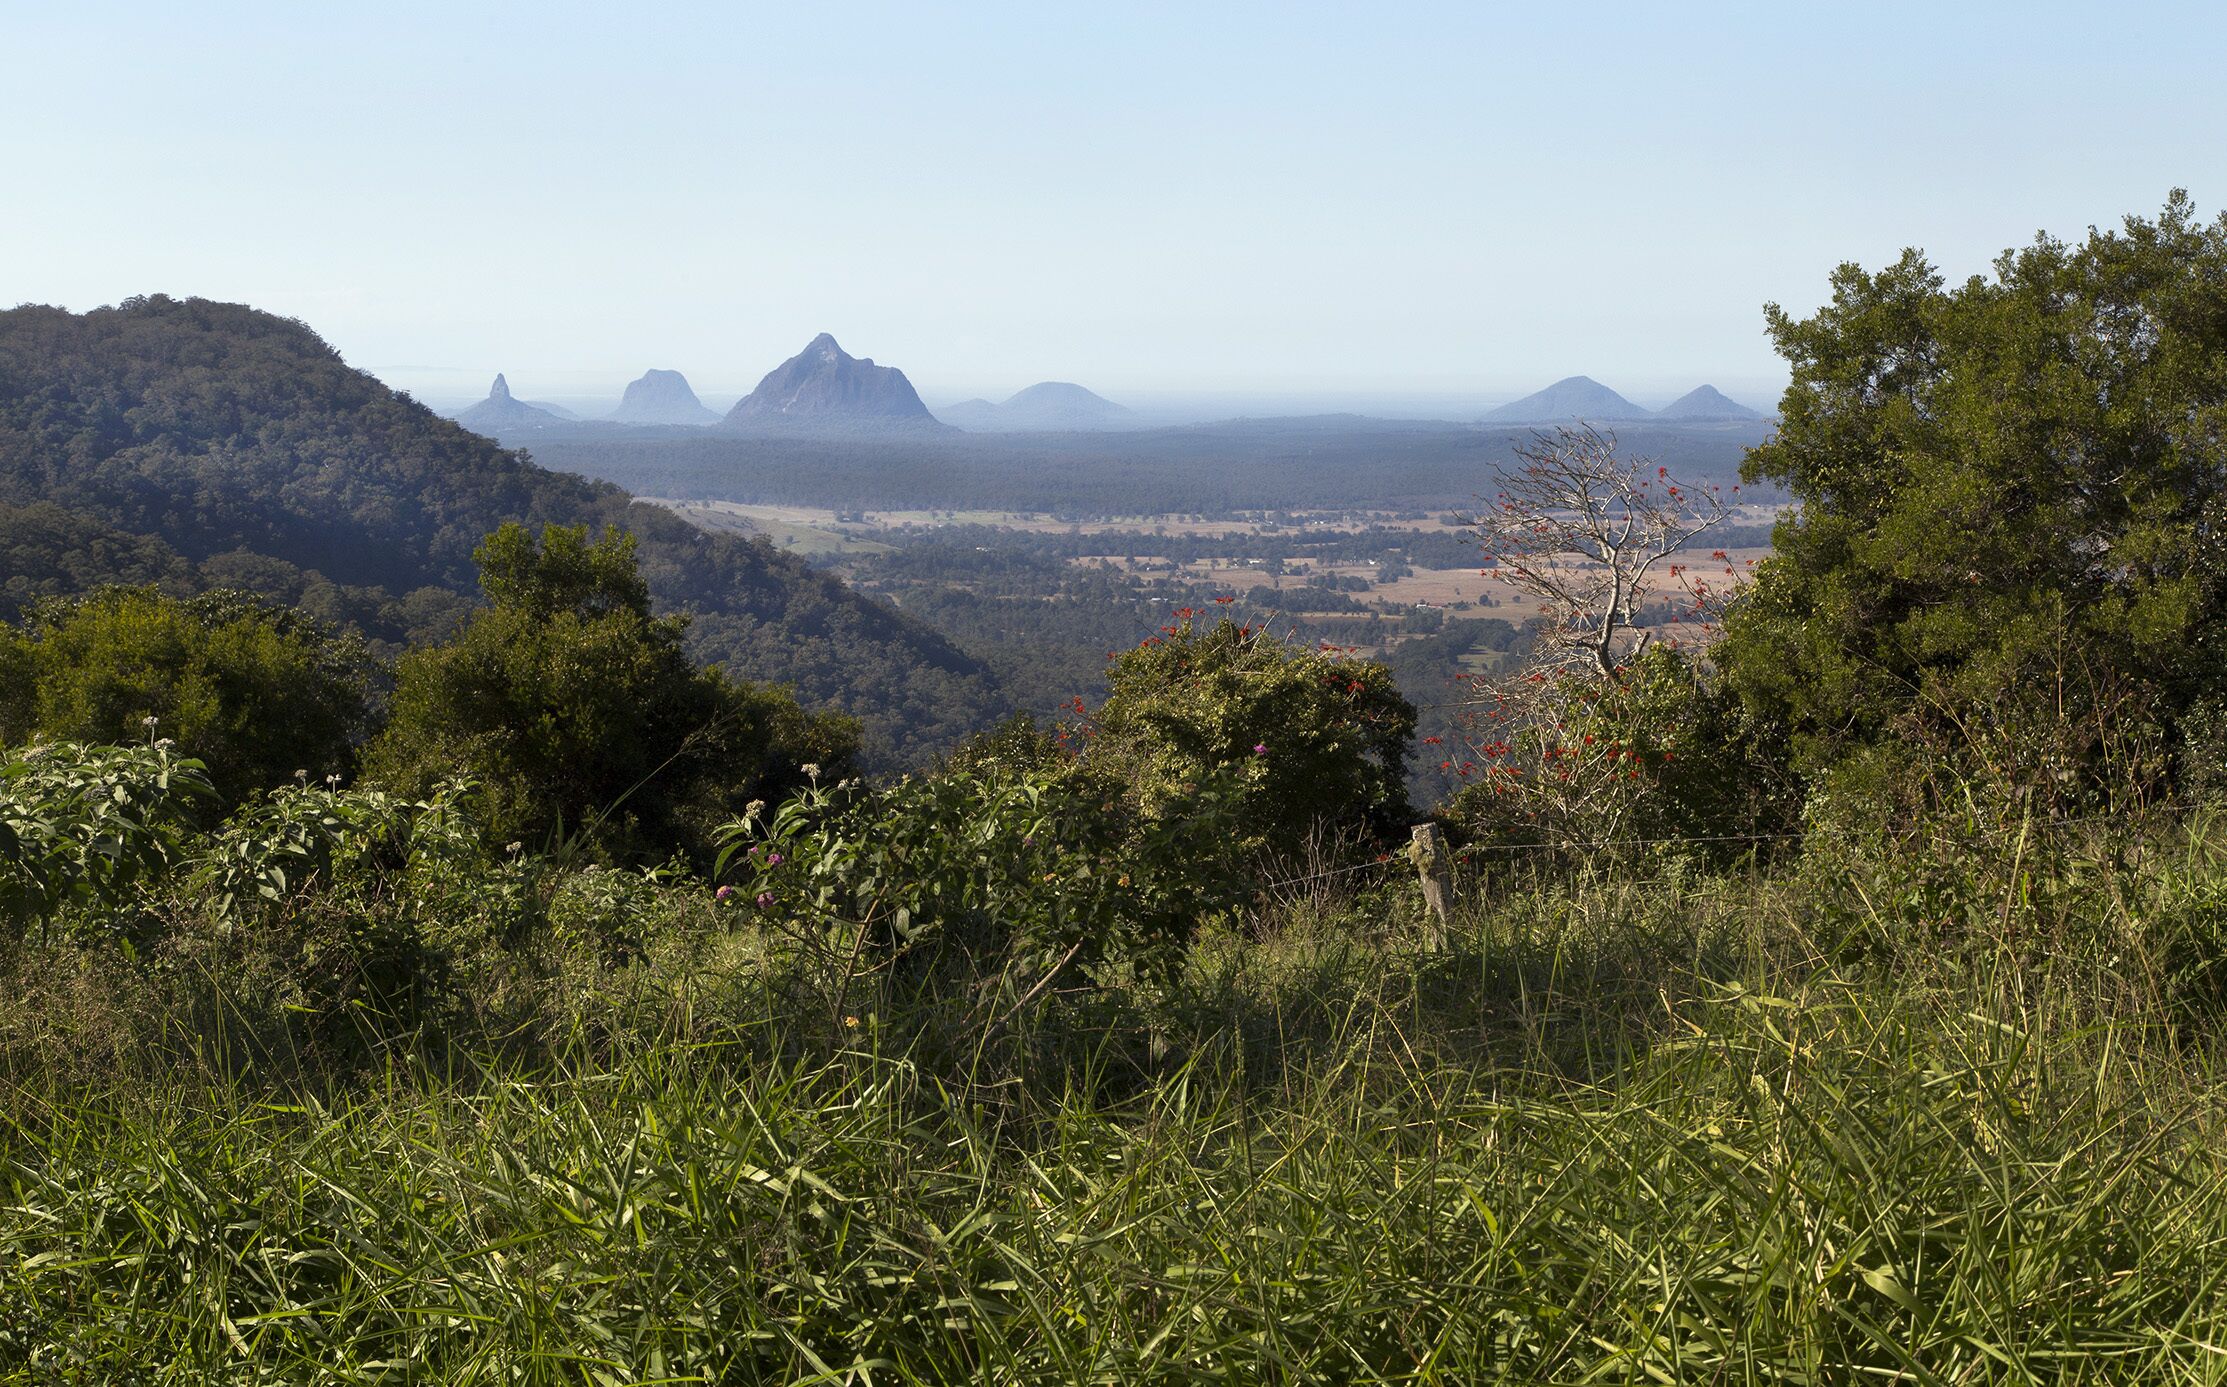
x=1574 y=397
x=501 y=412
x=662 y=397
x=824 y=389
x=1061 y=404
x=1706 y=402
x=1047 y=405
x=975 y=416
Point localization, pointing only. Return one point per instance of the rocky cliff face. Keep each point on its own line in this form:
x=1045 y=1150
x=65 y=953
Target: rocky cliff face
x=825 y=389
x=662 y=397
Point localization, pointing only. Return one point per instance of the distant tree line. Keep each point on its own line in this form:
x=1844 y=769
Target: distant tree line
x=1218 y=471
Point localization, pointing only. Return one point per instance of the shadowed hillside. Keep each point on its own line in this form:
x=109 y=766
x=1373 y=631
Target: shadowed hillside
x=240 y=449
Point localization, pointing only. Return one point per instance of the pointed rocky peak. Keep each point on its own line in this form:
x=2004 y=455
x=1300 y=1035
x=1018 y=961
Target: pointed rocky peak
x=825 y=389
x=502 y=413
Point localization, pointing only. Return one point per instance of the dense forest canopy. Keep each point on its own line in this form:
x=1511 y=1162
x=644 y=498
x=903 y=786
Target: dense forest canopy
x=196 y=444
x=2011 y=510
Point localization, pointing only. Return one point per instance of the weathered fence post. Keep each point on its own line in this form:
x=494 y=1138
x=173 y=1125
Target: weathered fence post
x=1427 y=849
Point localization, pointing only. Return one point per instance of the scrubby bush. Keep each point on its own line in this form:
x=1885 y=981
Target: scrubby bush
x=302 y=840
x=580 y=716
x=1645 y=755
x=1312 y=741
x=1038 y=867
x=361 y=894
x=84 y=828
x=256 y=691
x=613 y=914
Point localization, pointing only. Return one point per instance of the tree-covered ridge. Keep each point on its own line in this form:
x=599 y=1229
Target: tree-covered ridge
x=210 y=443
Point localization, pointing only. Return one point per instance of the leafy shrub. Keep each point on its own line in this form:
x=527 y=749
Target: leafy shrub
x=362 y=893
x=2079 y=743
x=1309 y=740
x=300 y=840
x=258 y=692
x=612 y=913
x=84 y=827
x=580 y=715
x=1046 y=867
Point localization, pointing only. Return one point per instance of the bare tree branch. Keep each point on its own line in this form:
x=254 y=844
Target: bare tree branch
x=1580 y=528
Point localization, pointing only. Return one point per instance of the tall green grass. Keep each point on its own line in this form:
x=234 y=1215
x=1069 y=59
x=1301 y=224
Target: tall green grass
x=1617 y=1132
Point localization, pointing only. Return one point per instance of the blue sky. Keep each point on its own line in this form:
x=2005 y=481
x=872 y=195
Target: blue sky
x=1433 y=202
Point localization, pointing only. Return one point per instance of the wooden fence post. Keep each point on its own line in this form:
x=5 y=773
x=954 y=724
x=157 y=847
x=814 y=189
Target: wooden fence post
x=1427 y=849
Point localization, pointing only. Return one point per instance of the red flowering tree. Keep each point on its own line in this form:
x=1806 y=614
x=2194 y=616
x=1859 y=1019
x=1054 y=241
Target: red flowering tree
x=1654 y=753
x=1599 y=738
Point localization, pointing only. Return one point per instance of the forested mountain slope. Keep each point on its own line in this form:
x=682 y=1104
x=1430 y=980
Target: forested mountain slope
x=200 y=442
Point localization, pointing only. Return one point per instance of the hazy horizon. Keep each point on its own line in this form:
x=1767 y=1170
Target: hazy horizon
x=1433 y=204
x=593 y=398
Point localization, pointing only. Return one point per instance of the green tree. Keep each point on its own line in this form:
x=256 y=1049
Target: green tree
x=2013 y=505
x=579 y=712
x=1315 y=740
x=256 y=691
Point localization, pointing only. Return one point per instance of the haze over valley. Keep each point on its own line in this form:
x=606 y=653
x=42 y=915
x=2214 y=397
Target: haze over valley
x=823 y=389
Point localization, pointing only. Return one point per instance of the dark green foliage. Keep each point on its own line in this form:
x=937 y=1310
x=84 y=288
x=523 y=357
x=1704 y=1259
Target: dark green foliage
x=2013 y=495
x=47 y=551
x=241 y=445
x=305 y=840
x=1018 y=744
x=258 y=692
x=1015 y=859
x=1316 y=742
x=579 y=714
x=18 y=682
x=358 y=898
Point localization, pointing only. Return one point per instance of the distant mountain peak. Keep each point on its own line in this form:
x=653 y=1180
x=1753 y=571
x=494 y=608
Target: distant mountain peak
x=1047 y=406
x=824 y=388
x=1066 y=394
x=1707 y=402
x=662 y=397
x=502 y=411
x=1572 y=397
